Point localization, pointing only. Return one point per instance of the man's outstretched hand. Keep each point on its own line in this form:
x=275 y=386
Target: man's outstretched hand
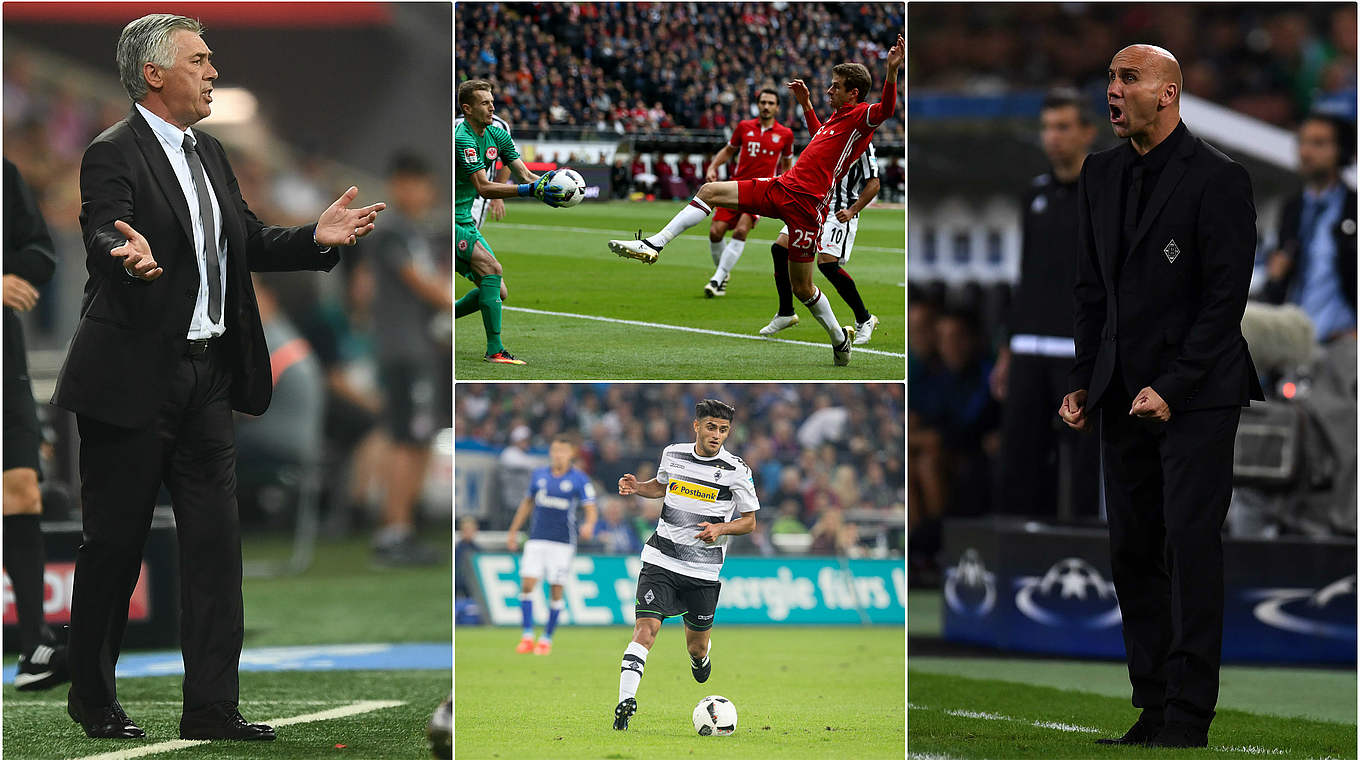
x=896 y=53
x=799 y=90
x=342 y=225
x=135 y=253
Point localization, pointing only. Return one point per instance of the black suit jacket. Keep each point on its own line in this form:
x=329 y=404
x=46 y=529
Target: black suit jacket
x=1343 y=234
x=1172 y=317
x=131 y=332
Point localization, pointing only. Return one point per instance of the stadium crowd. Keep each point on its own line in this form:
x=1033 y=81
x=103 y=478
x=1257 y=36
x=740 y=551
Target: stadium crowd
x=827 y=463
x=1276 y=62
x=643 y=67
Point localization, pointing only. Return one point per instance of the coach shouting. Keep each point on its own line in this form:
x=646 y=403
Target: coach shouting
x=169 y=343
x=1166 y=239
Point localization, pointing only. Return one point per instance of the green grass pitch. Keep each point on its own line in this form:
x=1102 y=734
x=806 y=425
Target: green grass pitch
x=558 y=260
x=975 y=719
x=985 y=708
x=340 y=599
x=800 y=692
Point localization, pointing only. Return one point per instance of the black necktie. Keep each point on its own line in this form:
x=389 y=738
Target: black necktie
x=1131 y=206
x=205 y=213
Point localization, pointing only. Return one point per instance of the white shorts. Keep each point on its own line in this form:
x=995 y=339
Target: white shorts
x=479 y=205
x=837 y=238
x=549 y=560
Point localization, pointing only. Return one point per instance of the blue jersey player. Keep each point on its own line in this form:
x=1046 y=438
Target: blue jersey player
x=554 y=494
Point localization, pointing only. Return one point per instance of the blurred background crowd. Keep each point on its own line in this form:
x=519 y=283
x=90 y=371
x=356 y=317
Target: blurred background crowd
x=294 y=150
x=1274 y=62
x=827 y=459
x=627 y=67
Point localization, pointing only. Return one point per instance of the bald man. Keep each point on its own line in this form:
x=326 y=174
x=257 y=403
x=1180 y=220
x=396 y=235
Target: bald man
x=1166 y=238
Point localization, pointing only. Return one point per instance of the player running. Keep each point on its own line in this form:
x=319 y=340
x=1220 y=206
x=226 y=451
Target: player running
x=852 y=193
x=478 y=145
x=759 y=144
x=495 y=206
x=704 y=487
x=554 y=494
x=801 y=196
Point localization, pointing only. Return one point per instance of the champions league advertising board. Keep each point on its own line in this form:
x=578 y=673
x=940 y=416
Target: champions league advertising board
x=1027 y=587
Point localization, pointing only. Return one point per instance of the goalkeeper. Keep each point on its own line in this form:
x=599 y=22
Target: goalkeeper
x=479 y=144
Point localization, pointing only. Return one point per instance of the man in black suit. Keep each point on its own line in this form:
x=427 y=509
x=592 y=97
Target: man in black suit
x=1166 y=232
x=168 y=344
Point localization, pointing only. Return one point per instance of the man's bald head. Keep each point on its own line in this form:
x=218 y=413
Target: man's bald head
x=1144 y=94
x=1158 y=62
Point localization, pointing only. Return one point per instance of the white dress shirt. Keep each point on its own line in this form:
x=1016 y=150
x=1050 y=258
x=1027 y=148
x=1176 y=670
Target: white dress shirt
x=172 y=141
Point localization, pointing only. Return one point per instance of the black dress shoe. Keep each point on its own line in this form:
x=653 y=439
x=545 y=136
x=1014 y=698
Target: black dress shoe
x=1142 y=732
x=104 y=722
x=222 y=722
x=1176 y=735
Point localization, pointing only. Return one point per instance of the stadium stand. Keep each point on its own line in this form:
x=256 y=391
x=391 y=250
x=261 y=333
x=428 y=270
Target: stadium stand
x=828 y=466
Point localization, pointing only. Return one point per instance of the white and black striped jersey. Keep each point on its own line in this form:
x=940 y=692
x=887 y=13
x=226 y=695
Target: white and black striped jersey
x=847 y=191
x=698 y=489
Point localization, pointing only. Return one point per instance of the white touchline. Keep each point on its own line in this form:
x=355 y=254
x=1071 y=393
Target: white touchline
x=1068 y=727
x=598 y=231
x=700 y=330
x=171 y=746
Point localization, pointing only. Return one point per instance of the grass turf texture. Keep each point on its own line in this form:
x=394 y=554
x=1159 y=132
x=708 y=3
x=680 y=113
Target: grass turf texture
x=933 y=732
x=559 y=260
x=800 y=692
x=342 y=598
x=36 y=726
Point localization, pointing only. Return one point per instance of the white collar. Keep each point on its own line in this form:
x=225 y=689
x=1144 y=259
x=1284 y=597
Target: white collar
x=167 y=132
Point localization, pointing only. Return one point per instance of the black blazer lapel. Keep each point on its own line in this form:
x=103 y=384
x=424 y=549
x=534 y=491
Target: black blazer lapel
x=1166 y=184
x=1109 y=250
x=154 y=154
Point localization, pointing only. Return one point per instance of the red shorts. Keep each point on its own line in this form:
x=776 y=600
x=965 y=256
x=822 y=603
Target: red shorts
x=729 y=217
x=802 y=213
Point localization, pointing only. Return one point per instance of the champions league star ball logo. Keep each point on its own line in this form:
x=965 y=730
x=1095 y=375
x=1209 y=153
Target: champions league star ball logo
x=969 y=587
x=1328 y=612
x=1072 y=592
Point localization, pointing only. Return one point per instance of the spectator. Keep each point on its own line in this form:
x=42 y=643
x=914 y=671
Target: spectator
x=1314 y=263
x=620 y=180
x=462 y=556
x=615 y=532
x=787 y=523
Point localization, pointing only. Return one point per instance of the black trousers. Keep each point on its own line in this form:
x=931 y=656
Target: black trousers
x=1032 y=437
x=1167 y=489
x=190 y=447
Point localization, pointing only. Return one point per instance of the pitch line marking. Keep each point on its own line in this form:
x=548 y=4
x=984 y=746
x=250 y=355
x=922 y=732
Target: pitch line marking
x=590 y=230
x=1068 y=727
x=170 y=746
x=700 y=330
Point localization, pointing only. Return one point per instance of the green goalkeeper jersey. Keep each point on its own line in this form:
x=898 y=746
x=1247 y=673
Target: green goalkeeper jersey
x=473 y=153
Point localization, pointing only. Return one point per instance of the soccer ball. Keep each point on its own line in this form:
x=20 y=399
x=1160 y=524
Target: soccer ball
x=572 y=185
x=439 y=731
x=715 y=716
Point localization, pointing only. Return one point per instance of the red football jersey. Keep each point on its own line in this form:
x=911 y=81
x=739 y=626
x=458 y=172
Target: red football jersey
x=759 y=150
x=832 y=151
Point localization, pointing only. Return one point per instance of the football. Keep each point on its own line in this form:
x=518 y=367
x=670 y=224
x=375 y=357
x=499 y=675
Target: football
x=715 y=716
x=439 y=731
x=573 y=187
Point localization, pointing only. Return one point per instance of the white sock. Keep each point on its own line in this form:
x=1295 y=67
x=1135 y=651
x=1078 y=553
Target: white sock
x=634 y=659
x=716 y=251
x=821 y=311
x=730 y=255
x=694 y=212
